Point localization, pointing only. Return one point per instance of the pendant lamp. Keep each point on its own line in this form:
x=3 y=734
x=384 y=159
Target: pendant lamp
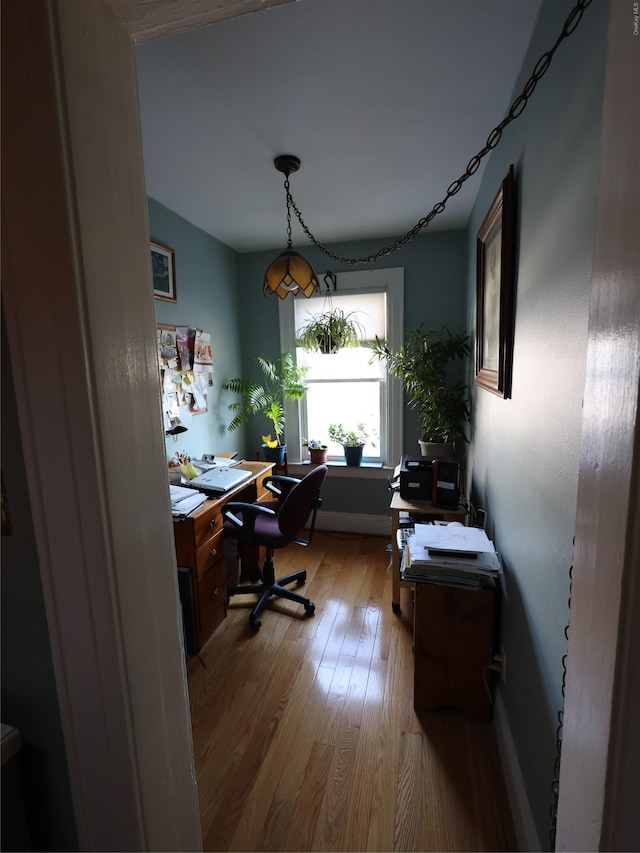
x=289 y=272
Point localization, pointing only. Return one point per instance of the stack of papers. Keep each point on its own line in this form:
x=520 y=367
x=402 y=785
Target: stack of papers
x=450 y=554
x=210 y=464
x=184 y=500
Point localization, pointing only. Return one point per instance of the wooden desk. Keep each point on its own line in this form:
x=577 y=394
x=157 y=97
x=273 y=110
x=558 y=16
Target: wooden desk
x=425 y=508
x=200 y=549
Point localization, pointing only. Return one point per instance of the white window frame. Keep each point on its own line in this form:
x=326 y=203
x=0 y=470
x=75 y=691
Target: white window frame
x=390 y=281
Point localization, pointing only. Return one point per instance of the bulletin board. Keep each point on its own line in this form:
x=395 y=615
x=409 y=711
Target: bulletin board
x=186 y=372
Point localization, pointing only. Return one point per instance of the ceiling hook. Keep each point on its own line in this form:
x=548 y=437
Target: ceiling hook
x=331 y=276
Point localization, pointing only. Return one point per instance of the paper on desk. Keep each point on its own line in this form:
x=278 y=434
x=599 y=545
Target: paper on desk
x=184 y=500
x=187 y=505
x=453 y=538
x=482 y=563
x=178 y=493
x=206 y=465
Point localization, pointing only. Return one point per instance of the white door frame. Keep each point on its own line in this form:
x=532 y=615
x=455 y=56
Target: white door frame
x=81 y=330
x=597 y=807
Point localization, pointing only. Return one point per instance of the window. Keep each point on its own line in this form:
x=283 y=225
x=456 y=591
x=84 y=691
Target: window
x=344 y=387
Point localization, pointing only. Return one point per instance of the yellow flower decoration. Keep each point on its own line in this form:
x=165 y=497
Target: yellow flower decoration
x=270 y=442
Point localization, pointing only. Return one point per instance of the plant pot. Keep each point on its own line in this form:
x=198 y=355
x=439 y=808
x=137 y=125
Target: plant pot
x=325 y=345
x=434 y=450
x=353 y=455
x=318 y=455
x=275 y=454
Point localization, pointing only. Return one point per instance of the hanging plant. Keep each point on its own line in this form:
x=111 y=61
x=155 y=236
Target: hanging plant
x=331 y=330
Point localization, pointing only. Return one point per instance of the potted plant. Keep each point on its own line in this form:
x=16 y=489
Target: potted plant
x=317 y=450
x=442 y=406
x=330 y=331
x=352 y=441
x=283 y=379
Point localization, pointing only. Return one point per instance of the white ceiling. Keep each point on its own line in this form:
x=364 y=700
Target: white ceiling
x=384 y=102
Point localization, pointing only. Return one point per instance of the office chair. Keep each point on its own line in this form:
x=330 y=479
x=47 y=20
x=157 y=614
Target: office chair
x=274 y=524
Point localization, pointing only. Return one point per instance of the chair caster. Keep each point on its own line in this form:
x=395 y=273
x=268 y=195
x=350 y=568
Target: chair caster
x=254 y=622
x=310 y=608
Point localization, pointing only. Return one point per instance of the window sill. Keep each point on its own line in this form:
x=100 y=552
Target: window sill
x=365 y=471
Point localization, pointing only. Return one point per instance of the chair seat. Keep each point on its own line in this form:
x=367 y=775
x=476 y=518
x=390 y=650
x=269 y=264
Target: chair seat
x=272 y=530
x=265 y=532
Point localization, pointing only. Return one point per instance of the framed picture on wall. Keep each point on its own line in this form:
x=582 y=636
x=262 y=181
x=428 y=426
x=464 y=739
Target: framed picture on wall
x=495 y=297
x=163 y=270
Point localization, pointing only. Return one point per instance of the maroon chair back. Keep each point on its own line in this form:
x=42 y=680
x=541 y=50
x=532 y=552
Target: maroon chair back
x=298 y=504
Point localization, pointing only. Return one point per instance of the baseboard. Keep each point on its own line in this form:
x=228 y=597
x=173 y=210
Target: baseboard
x=371 y=525
x=518 y=801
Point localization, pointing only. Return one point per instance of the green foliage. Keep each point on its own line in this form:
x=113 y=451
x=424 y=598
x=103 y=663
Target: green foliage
x=330 y=332
x=283 y=379
x=349 y=438
x=422 y=365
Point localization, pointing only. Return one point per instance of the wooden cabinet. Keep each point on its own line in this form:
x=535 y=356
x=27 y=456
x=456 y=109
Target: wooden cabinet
x=453 y=645
x=199 y=544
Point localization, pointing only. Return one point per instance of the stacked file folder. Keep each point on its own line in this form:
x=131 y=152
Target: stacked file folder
x=449 y=554
x=184 y=500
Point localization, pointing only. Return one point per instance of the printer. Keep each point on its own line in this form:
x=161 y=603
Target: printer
x=416 y=478
x=423 y=478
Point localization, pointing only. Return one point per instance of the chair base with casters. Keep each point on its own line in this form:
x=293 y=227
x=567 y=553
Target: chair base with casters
x=270 y=585
x=275 y=524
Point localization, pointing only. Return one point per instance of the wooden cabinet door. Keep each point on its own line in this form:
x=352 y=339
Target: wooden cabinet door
x=453 y=644
x=211 y=601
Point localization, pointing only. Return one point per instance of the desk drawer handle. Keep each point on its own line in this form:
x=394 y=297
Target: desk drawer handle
x=213 y=522
x=216 y=590
x=213 y=552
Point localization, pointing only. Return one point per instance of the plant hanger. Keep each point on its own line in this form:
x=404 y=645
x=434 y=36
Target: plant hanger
x=330 y=281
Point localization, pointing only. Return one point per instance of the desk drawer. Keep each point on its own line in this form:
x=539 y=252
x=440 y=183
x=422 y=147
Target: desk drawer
x=209 y=553
x=212 y=601
x=207 y=524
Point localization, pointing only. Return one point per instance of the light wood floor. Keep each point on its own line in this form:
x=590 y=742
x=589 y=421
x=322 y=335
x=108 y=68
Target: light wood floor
x=305 y=736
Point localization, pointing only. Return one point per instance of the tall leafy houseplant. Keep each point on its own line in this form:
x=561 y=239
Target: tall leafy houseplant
x=283 y=379
x=422 y=364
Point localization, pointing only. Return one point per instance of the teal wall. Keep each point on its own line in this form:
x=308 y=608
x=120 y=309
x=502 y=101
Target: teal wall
x=29 y=695
x=207 y=291
x=525 y=451
x=434 y=294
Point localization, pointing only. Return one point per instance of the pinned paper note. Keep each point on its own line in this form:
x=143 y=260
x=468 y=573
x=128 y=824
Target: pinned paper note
x=186 y=370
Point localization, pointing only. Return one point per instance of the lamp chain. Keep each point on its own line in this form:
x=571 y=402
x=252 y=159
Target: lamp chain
x=516 y=109
x=286 y=188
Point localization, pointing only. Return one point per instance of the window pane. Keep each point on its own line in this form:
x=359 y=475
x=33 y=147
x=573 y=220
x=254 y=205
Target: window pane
x=346 y=403
x=368 y=309
x=349 y=363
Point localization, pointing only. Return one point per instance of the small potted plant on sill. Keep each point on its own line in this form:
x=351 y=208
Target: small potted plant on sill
x=317 y=450
x=352 y=441
x=283 y=379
